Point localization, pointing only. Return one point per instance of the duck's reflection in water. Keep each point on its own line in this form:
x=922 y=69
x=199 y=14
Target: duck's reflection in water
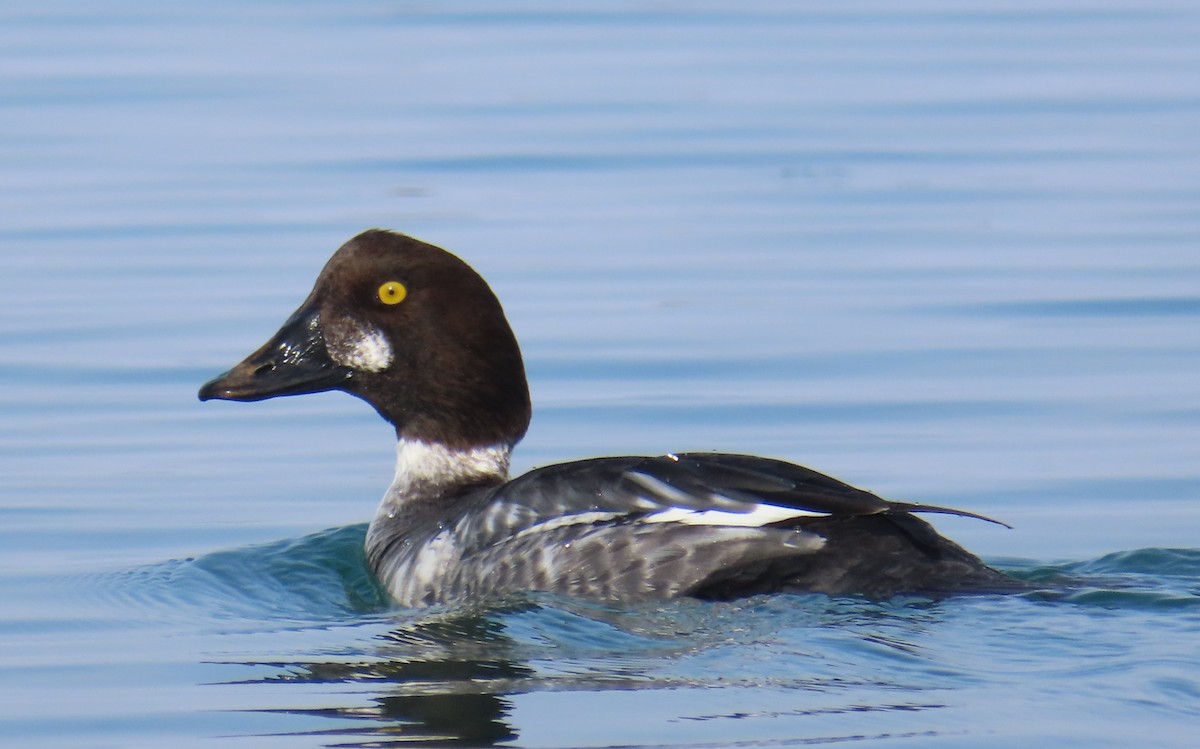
x=437 y=682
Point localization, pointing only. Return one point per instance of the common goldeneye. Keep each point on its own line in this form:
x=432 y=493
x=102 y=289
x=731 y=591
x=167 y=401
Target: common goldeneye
x=415 y=332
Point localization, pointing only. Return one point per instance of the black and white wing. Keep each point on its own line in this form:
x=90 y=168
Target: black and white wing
x=629 y=528
x=714 y=489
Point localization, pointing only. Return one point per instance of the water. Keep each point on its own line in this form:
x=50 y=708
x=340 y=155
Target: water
x=946 y=253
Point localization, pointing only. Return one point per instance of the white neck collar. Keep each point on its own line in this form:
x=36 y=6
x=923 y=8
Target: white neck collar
x=425 y=469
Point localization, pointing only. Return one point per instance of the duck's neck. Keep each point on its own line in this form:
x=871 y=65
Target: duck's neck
x=426 y=471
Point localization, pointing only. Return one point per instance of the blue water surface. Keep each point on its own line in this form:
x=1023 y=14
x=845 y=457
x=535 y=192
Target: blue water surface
x=947 y=252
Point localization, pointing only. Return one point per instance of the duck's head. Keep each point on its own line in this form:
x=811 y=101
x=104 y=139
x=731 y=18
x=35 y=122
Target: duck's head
x=410 y=329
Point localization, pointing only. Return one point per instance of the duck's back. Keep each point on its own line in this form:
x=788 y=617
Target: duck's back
x=875 y=556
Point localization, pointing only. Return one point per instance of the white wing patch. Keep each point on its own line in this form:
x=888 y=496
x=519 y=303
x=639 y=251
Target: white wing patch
x=657 y=486
x=729 y=527
x=757 y=516
x=733 y=513
x=761 y=515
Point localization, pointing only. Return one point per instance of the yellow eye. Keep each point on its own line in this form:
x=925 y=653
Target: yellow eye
x=392 y=292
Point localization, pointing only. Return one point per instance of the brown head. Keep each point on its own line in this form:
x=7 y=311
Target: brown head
x=410 y=329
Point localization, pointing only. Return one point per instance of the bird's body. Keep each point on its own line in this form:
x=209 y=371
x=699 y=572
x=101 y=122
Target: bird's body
x=418 y=334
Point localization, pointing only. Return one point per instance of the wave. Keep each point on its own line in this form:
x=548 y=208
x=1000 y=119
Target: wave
x=323 y=577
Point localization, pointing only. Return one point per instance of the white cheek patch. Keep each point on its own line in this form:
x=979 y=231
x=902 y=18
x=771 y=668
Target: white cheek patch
x=362 y=347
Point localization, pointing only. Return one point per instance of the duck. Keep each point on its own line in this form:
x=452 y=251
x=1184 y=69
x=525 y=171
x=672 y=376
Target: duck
x=415 y=332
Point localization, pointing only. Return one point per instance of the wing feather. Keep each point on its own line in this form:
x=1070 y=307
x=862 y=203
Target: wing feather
x=717 y=489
